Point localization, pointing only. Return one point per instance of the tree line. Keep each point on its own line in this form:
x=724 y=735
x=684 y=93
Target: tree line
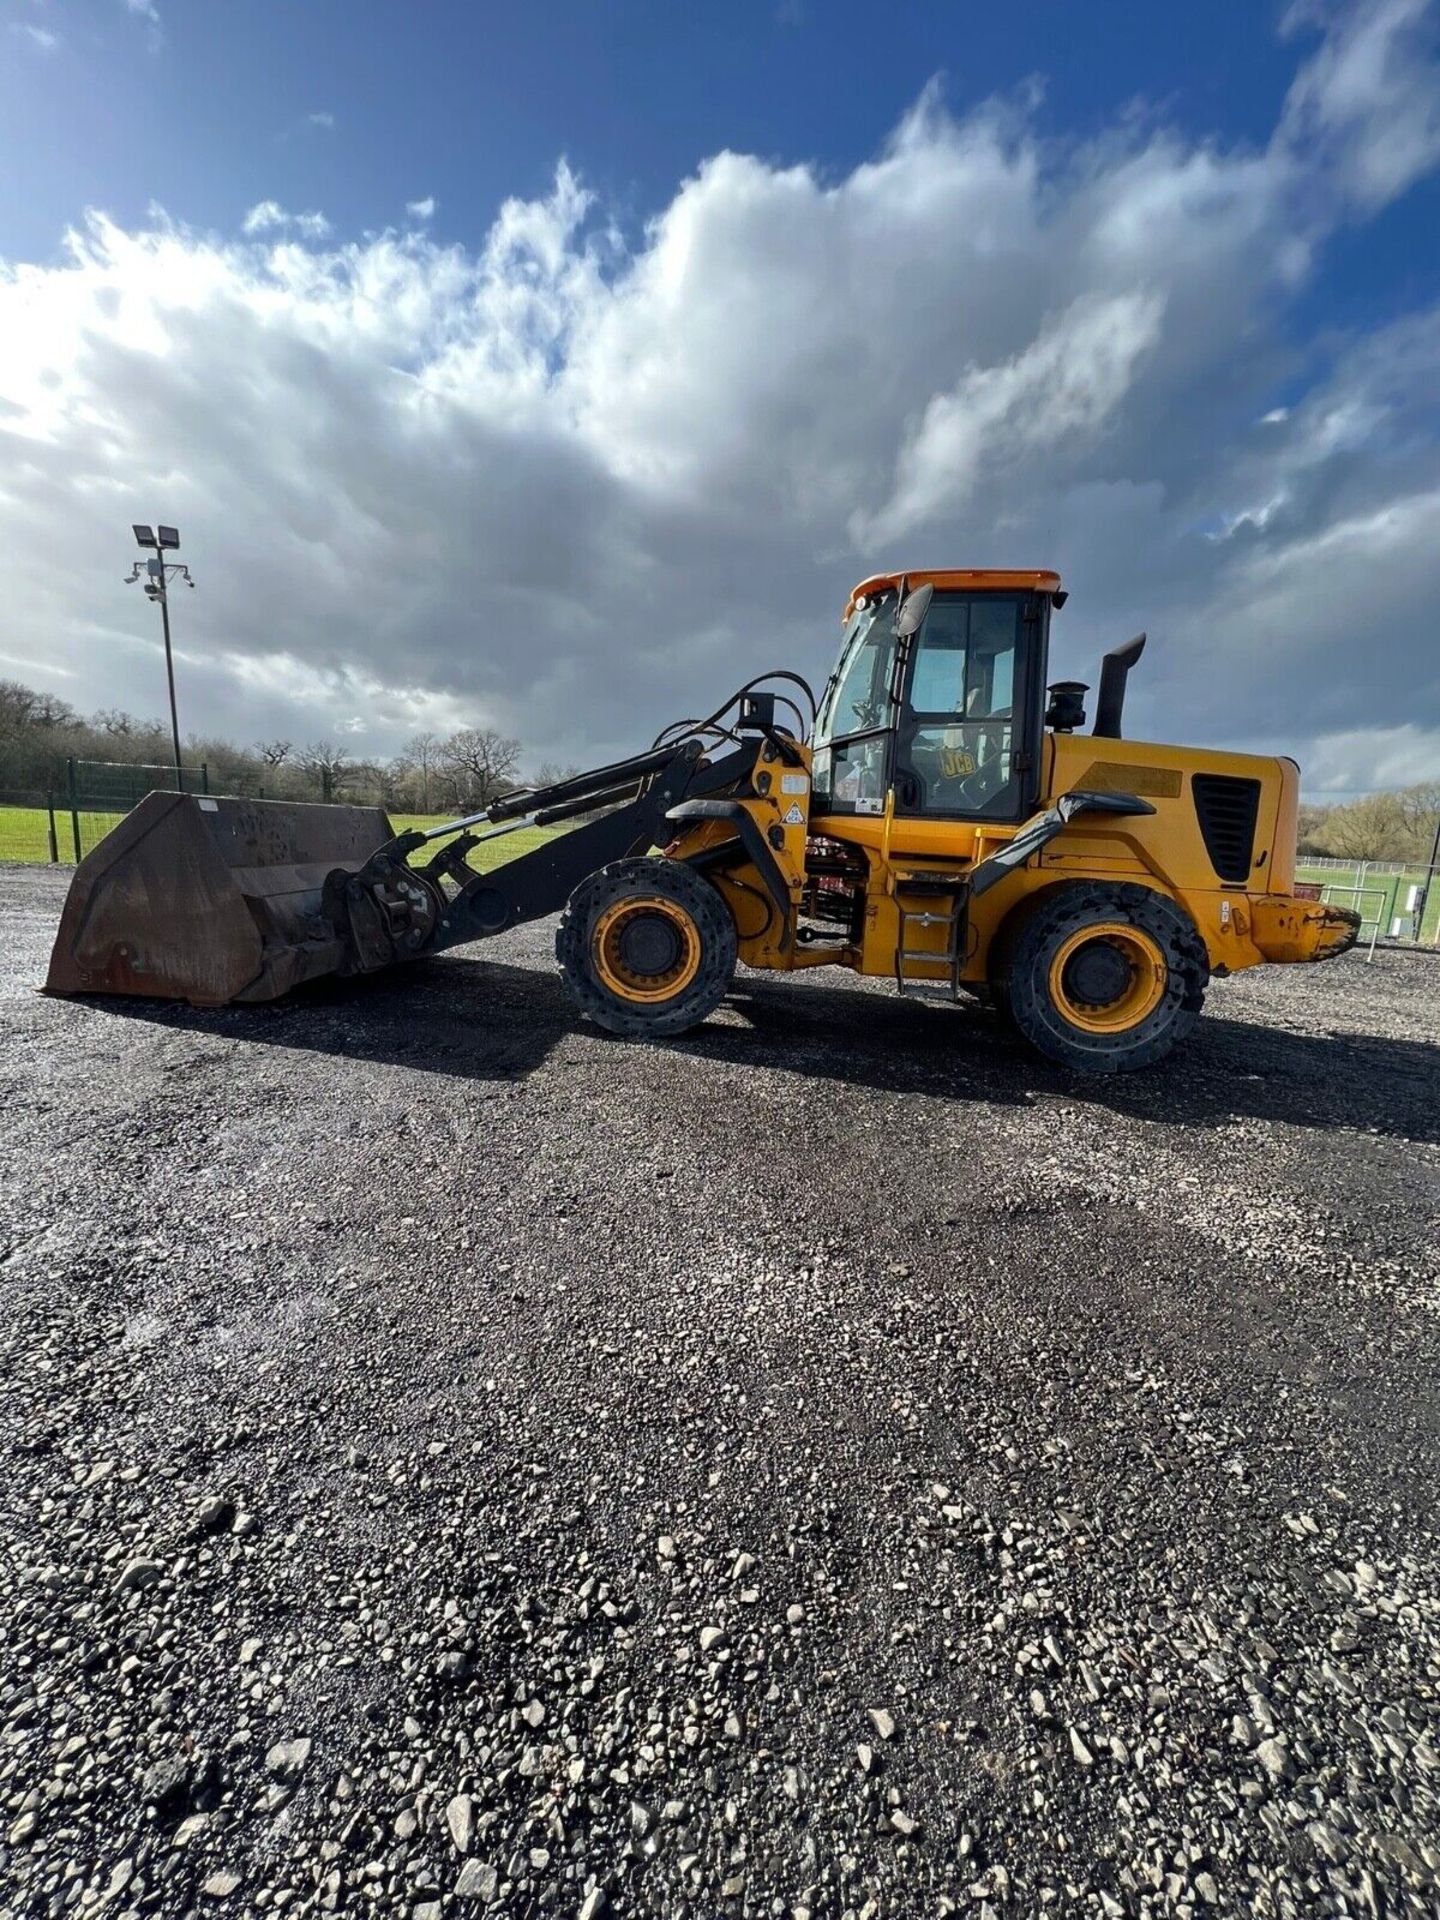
x=1398 y=824
x=458 y=772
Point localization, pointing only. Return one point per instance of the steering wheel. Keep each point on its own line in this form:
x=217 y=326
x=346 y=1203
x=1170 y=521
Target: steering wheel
x=969 y=792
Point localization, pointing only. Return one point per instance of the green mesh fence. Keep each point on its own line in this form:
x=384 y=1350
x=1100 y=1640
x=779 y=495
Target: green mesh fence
x=99 y=793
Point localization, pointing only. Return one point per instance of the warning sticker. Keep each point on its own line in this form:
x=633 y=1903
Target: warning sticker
x=793 y=783
x=794 y=817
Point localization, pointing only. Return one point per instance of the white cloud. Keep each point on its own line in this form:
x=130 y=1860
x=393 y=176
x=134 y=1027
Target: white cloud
x=1062 y=388
x=42 y=37
x=268 y=215
x=1343 y=764
x=264 y=215
x=1366 y=101
x=323 y=119
x=421 y=209
x=147 y=11
x=579 y=484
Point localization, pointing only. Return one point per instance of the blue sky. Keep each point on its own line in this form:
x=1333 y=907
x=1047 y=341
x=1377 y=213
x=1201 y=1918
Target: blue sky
x=212 y=111
x=1121 y=239
x=359 y=107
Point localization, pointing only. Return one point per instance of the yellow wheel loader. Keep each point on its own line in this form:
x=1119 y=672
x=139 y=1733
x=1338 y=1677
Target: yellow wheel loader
x=938 y=818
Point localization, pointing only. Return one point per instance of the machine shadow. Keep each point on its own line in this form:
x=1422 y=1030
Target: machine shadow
x=482 y=1019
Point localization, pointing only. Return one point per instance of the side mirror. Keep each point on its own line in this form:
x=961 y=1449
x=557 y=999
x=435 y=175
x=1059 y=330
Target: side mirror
x=911 y=617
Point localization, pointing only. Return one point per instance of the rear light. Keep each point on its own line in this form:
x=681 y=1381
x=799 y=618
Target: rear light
x=1307 y=890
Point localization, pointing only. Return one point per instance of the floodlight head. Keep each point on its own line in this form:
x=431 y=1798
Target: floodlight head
x=144 y=536
x=168 y=536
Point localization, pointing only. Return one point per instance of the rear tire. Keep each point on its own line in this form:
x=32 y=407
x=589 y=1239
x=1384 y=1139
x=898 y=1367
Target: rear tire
x=646 y=947
x=1105 y=979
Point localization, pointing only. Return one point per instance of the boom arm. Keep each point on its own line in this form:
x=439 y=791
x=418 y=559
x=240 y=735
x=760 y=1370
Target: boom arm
x=389 y=910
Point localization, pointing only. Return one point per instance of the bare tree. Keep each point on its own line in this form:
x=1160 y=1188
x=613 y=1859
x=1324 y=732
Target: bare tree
x=479 y=764
x=274 y=753
x=421 y=750
x=1420 y=811
x=322 y=760
x=1368 y=829
x=22 y=707
x=1312 y=829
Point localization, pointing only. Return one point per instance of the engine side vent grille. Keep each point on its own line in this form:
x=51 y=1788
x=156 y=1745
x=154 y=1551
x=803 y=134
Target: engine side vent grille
x=1226 y=809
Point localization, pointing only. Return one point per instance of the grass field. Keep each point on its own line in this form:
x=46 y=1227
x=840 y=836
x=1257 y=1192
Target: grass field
x=25 y=833
x=1384 y=896
x=25 y=836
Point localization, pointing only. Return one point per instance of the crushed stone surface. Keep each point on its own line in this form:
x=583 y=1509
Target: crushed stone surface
x=833 y=1465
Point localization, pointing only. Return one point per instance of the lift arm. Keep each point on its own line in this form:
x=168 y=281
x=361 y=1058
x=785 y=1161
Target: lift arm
x=390 y=909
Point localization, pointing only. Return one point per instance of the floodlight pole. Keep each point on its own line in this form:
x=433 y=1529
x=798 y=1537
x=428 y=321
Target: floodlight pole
x=157 y=575
x=1427 y=883
x=170 y=680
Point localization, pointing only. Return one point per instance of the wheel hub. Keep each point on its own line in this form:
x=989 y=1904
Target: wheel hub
x=1098 y=974
x=648 y=944
x=647 y=949
x=1108 y=977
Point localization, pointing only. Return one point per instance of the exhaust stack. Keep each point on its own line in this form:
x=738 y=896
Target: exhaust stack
x=1110 y=701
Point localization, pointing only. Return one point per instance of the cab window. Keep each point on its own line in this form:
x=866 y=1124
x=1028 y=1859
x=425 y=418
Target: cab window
x=957 y=742
x=852 y=756
x=858 y=700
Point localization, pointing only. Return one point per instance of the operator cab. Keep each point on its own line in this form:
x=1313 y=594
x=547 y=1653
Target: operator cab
x=943 y=703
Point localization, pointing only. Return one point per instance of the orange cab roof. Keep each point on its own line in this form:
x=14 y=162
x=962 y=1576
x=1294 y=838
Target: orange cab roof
x=970 y=579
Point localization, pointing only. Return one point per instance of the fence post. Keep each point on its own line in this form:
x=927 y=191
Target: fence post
x=205 y=776
x=74 y=808
x=50 y=815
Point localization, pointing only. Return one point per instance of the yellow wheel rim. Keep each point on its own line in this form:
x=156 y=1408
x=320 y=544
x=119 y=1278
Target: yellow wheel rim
x=1107 y=978
x=646 y=949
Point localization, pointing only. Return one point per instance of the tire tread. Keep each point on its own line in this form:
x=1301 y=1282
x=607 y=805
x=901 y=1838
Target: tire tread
x=706 y=907
x=1066 y=909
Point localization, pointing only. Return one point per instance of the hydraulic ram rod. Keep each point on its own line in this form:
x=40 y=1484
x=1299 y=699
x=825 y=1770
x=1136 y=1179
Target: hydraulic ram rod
x=619 y=773
x=541 y=817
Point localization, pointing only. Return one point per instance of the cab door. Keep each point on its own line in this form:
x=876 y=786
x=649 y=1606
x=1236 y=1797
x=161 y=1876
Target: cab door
x=967 y=738
x=855 y=731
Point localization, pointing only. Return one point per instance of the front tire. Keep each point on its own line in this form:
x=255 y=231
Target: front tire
x=1105 y=979
x=646 y=947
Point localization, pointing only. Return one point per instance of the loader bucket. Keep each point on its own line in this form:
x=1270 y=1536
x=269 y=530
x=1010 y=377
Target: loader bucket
x=209 y=900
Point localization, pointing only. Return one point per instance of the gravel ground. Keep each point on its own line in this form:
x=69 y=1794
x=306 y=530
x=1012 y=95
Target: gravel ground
x=456 y=1463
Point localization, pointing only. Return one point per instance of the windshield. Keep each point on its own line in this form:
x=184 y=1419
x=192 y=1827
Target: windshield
x=859 y=693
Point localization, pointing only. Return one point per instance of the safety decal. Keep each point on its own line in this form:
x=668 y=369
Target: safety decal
x=793 y=783
x=795 y=817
